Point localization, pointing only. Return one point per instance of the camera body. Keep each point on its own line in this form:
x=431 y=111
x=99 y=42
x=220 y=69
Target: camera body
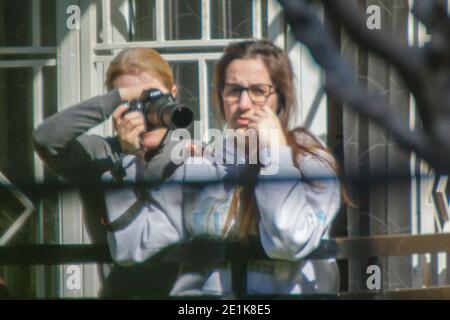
x=161 y=110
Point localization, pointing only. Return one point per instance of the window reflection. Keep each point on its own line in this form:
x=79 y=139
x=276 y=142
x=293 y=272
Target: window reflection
x=183 y=19
x=143 y=20
x=15 y=23
x=231 y=19
x=186 y=79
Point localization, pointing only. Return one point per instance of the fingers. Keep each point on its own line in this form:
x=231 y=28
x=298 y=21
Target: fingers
x=129 y=128
x=136 y=131
x=129 y=122
x=130 y=140
x=130 y=134
x=257 y=117
x=263 y=118
x=118 y=114
x=132 y=119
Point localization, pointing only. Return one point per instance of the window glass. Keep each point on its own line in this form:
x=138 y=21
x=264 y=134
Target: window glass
x=16 y=163
x=15 y=23
x=48 y=21
x=183 y=19
x=143 y=21
x=186 y=79
x=16 y=105
x=213 y=113
x=231 y=19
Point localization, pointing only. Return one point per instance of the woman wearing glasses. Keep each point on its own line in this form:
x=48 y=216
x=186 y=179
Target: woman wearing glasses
x=287 y=210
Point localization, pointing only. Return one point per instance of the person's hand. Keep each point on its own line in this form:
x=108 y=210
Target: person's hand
x=267 y=126
x=129 y=129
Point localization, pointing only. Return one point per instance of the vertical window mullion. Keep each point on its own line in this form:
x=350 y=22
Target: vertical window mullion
x=106 y=22
x=276 y=23
x=206 y=22
x=203 y=96
x=38 y=116
x=36 y=22
x=160 y=26
x=228 y=19
x=257 y=19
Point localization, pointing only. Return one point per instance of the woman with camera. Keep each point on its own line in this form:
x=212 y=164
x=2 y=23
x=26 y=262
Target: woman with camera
x=287 y=210
x=65 y=147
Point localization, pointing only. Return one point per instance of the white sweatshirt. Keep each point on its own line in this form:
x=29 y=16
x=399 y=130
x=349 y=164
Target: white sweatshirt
x=295 y=217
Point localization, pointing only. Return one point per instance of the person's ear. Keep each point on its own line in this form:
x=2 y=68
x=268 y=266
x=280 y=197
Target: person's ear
x=174 y=90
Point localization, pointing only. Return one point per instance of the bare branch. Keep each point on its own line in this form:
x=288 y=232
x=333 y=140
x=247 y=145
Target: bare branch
x=341 y=84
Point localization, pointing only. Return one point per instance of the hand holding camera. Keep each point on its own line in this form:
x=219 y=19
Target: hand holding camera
x=129 y=128
x=153 y=113
x=161 y=110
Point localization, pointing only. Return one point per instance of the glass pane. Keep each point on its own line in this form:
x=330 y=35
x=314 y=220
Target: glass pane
x=16 y=163
x=50 y=200
x=231 y=19
x=186 y=79
x=16 y=85
x=183 y=19
x=15 y=23
x=99 y=10
x=215 y=118
x=50 y=106
x=143 y=21
x=49 y=206
x=50 y=229
x=265 y=24
x=16 y=111
x=19 y=278
x=48 y=21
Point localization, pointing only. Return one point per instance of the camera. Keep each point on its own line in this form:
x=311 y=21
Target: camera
x=161 y=110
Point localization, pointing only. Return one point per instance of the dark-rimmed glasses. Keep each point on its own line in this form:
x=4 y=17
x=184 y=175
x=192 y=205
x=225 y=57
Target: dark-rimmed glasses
x=258 y=93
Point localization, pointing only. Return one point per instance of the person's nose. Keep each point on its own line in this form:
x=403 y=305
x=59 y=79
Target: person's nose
x=245 y=103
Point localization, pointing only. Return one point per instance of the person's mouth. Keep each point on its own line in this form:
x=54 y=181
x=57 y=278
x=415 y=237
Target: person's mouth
x=242 y=121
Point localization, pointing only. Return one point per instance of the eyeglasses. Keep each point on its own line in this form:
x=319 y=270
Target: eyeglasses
x=258 y=93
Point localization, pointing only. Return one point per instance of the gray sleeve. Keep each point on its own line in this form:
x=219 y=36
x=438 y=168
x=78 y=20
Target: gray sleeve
x=62 y=144
x=296 y=215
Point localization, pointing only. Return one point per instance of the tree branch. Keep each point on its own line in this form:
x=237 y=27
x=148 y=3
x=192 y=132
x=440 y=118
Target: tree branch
x=341 y=84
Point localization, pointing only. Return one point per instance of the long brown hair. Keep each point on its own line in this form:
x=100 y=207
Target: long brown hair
x=133 y=61
x=243 y=206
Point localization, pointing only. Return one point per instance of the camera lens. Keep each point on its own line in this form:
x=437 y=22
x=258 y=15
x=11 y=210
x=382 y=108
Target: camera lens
x=182 y=117
x=176 y=116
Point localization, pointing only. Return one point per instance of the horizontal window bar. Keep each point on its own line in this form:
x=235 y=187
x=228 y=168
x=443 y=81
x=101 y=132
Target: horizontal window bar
x=27 y=63
x=392 y=245
x=168 y=44
x=27 y=50
x=220 y=251
x=172 y=57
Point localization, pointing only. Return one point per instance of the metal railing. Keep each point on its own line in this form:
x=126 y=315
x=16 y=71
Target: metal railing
x=202 y=250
